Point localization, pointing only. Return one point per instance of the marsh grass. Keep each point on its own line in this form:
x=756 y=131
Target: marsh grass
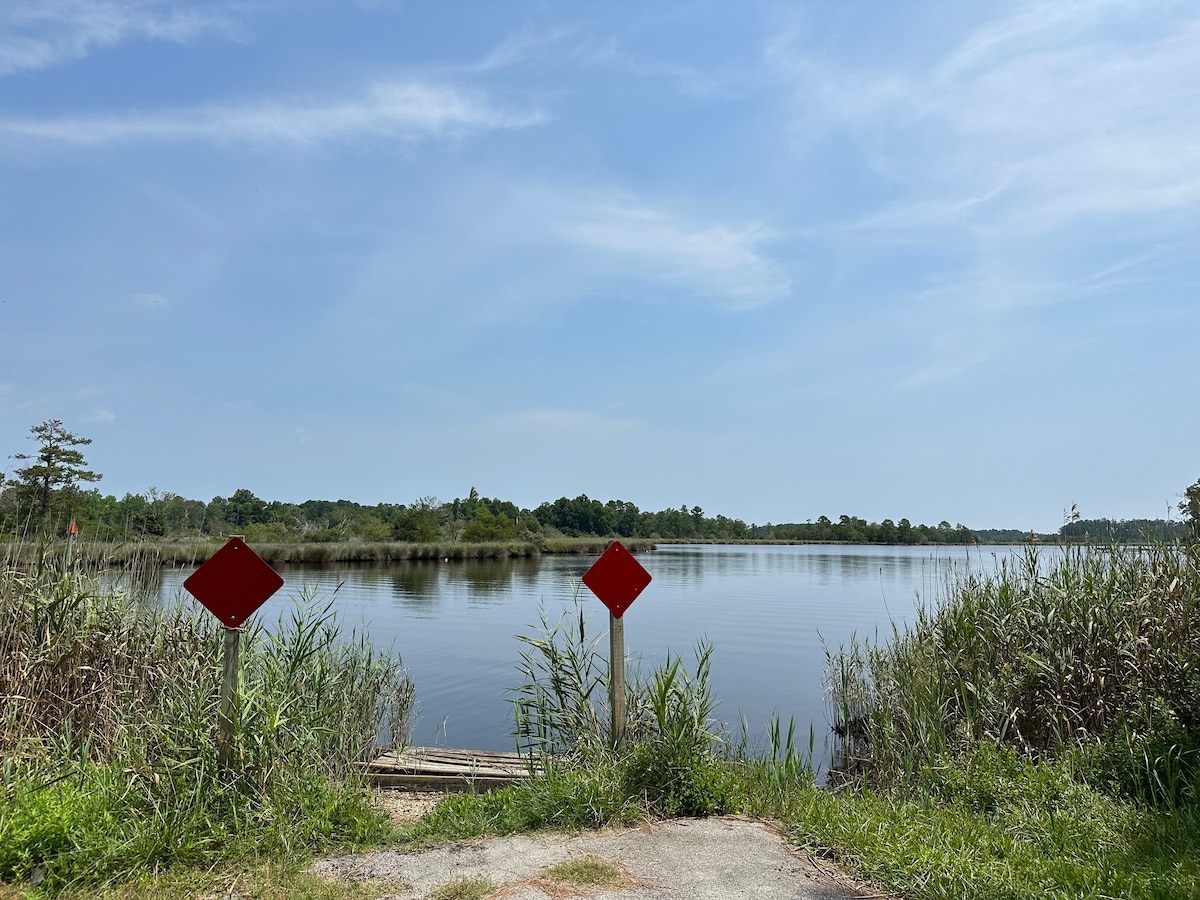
x=673 y=762
x=676 y=757
x=108 y=713
x=558 y=709
x=1092 y=652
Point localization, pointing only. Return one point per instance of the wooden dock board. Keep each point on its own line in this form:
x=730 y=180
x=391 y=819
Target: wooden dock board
x=447 y=769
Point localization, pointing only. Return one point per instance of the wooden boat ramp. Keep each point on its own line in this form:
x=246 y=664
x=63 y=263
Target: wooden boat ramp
x=448 y=769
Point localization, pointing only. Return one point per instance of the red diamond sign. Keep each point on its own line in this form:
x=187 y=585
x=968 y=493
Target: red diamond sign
x=616 y=578
x=233 y=583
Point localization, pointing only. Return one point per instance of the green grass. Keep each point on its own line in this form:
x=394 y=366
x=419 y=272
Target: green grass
x=286 y=880
x=463 y=889
x=997 y=827
x=587 y=871
x=108 y=722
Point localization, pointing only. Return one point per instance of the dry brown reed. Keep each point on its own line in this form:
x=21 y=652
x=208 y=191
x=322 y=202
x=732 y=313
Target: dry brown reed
x=95 y=673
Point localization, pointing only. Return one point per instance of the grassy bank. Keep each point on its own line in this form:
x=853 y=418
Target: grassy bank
x=1032 y=735
x=153 y=554
x=108 y=720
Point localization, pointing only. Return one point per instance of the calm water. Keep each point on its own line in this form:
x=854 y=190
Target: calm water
x=769 y=610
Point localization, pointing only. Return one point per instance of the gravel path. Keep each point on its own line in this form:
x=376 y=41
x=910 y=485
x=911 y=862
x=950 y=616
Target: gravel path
x=683 y=859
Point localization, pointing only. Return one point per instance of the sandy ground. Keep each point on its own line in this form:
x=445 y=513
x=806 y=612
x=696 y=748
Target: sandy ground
x=683 y=859
x=403 y=807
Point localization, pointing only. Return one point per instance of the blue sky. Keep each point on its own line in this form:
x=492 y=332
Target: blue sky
x=778 y=260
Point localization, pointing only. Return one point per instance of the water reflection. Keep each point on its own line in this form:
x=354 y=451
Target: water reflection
x=416 y=580
x=483 y=579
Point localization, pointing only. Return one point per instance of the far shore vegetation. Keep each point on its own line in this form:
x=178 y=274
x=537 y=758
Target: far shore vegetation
x=45 y=495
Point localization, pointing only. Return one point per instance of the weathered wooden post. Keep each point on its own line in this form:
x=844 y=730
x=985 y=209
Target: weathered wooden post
x=617 y=579
x=616 y=681
x=229 y=691
x=232 y=585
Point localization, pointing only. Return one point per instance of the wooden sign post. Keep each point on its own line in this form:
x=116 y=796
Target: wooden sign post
x=616 y=681
x=617 y=579
x=232 y=585
x=229 y=690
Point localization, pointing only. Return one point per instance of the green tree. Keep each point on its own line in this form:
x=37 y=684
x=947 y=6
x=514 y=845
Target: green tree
x=139 y=517
x=370 y=527
x=887 y=532
x=420 y=522
x=243 y=508
x=55 y=468
x=1190 y=507
x=488 y=526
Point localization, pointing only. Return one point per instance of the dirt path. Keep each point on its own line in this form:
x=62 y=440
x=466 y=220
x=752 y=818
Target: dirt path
x=683 y=859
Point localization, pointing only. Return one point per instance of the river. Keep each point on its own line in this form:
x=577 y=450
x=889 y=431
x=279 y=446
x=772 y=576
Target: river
x=770 y=612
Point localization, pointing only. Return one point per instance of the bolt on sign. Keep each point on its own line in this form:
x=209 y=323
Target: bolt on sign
x=233 y=583
x=617 y=579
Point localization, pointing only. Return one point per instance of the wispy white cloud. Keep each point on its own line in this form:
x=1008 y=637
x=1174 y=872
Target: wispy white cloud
x=1045 y=103
x=520 y=47
x=506 y=250
x=1047 y=142
x=37 y=34
x=726 y=262
x=724 y=82
x=576 y=47
x=396 y=110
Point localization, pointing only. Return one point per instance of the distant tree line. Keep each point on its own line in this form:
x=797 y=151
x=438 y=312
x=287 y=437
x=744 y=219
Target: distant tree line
x=853 y=530
x=44 y=495
x=1125 y=531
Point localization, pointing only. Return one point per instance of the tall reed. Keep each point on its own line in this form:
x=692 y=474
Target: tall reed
x=1086 y=650
x=670 y=761
x=108 y=731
